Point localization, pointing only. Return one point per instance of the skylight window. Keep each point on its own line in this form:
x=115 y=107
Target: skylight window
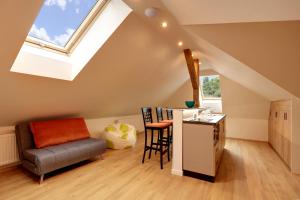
x=60 y=23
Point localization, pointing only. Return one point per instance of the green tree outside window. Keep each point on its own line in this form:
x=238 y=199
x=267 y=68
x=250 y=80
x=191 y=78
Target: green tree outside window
x=210 y=86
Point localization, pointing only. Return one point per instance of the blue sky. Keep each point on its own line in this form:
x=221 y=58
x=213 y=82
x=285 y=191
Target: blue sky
x=58 y=19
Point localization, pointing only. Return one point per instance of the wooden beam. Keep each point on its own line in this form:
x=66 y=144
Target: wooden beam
x=197 y=91
x=197 y=70
x=193 y=67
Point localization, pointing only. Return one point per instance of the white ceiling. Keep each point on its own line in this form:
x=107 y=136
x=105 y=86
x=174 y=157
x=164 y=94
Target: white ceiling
x=190 y=12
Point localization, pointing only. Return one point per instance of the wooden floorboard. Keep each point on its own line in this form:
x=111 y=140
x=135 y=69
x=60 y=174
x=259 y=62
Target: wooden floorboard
x=249 y=170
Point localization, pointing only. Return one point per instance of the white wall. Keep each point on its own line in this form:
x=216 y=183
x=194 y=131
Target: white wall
x=96 y=126
x=249 y=129
x=247 y=112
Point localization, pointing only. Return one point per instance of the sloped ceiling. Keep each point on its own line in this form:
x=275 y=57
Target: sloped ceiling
x=270 y=48
x=136 y=67
x=140 y=65
x=231 y=11
x=261 y=56
x=16 y=18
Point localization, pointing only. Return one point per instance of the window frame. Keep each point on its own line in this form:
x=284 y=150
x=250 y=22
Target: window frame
x=77 y=35
x=201 y=88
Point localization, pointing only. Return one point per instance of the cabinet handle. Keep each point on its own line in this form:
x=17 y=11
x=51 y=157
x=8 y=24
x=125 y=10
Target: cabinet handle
x=285 y=116
x=275 y=114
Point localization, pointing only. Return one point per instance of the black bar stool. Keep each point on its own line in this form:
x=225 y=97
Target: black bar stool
x=169 y=113
x=160 y=118
x=160 y=127
x=170 y=117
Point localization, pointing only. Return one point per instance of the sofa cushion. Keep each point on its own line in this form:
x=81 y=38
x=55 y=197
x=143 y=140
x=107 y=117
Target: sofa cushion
x=47 y=133
x=54 y=157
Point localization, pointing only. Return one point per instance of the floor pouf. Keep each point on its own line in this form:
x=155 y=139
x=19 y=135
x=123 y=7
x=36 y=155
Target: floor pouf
x=120 y=136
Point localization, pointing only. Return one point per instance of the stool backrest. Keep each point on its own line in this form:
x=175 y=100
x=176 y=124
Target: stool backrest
x=169 y=113
x=147 y=115
x=159 y=114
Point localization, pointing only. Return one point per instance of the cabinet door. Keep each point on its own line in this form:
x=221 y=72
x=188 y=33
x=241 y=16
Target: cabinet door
x=287 y=135
x=270 y=133
x=280 y=131
x=276 y=127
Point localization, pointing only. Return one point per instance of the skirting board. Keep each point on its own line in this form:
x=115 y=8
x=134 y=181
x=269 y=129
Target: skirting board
x=243 y=139
x=177 y=172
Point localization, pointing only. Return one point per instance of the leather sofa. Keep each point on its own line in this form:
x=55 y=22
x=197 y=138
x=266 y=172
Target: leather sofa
x=46 y=159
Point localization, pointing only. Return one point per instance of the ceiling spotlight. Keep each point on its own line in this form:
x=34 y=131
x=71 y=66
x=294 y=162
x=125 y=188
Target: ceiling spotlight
x=180 y=43
x=164 y=24
x=200 y=63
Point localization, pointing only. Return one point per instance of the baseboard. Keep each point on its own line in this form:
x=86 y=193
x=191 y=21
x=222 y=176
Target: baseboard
x=5 y=167
x=177 y=172
x=199 y=176
x=249 y=140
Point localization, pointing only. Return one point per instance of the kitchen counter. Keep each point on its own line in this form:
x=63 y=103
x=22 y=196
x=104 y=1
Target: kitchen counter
x=203 y=144
x=210 y=119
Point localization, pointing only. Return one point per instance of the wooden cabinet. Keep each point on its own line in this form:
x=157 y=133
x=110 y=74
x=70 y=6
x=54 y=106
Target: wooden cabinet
x=280 y=132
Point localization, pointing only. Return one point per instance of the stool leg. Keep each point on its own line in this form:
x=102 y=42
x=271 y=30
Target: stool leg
x=161 y=148
x=145 y=148
x=157 y=142
x=168 y=143
x=151 y=144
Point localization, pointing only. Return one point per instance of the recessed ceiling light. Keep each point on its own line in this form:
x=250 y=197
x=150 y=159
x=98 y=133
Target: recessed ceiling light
x=200 y=63
x=180 y=43
x=164 y=24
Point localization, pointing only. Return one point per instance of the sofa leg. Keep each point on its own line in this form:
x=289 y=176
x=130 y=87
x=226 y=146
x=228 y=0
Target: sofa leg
x=41 y=178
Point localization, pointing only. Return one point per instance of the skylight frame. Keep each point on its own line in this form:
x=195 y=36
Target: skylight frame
x=77 y=35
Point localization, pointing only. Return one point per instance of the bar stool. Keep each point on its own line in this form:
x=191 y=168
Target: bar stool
x=170 y=117
x=169 y=113
x=160 y=118
x=159 y=127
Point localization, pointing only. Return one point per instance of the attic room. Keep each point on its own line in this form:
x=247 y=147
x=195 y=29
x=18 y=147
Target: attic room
x=149 y=99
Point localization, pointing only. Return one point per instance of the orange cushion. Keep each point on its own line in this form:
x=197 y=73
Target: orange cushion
x=167 y=121
x=158 y=125
x=47 y=133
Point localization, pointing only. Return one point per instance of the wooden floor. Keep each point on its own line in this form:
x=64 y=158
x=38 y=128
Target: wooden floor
x=249 y=170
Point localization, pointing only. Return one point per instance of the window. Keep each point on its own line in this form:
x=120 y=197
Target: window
x=210 y=87
x=60 y=23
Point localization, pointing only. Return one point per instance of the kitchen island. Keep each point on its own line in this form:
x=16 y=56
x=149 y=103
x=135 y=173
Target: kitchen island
x=199 y=140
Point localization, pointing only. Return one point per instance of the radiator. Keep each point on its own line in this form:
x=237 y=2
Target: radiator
x=8 y=147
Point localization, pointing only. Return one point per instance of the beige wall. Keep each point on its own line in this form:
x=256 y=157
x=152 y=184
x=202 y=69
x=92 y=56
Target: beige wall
x=247 y=112
x=178 y=97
